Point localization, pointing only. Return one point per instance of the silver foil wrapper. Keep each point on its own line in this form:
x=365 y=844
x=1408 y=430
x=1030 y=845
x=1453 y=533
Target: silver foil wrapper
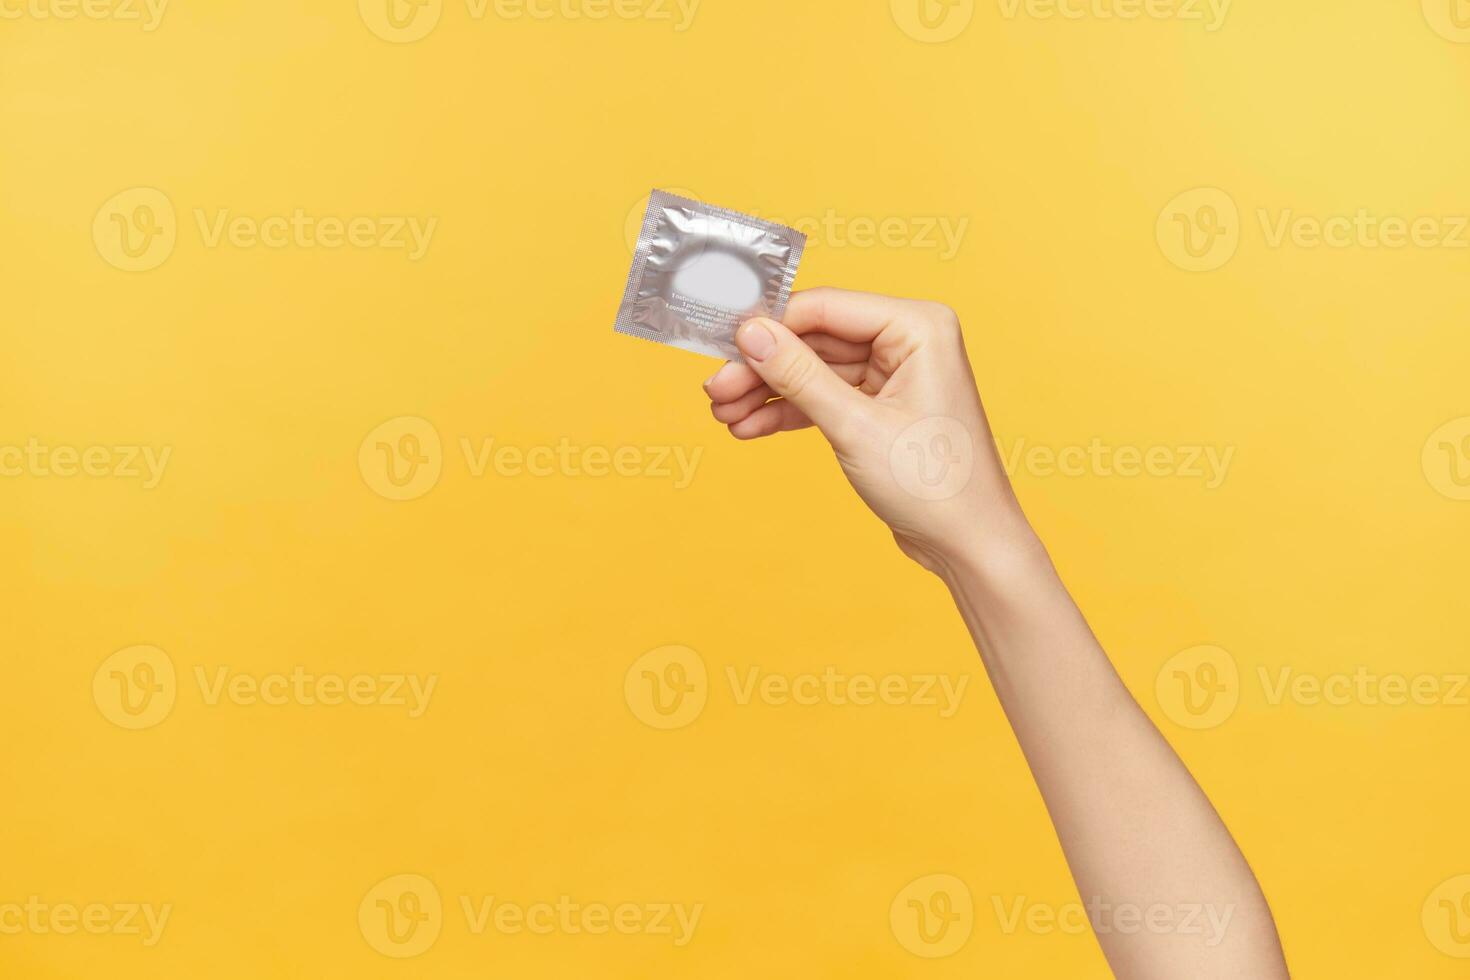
x=700 y=271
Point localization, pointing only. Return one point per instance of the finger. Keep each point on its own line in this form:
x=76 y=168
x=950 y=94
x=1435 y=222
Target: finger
x=778 y=416
x=734 y=411
x=849 y=315
x=740 y=380
x=729 y=412
x=835 y=350
x=733 y=380
x=800 y=377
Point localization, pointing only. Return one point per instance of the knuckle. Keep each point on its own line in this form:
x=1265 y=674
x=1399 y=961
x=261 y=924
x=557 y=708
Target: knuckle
x=942 y=318
x=794 y=375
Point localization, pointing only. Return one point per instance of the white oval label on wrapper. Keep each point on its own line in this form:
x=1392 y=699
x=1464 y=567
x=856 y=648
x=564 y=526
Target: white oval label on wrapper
x=719 y=279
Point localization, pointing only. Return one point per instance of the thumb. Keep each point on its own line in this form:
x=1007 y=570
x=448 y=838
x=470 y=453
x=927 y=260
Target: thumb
x=796 y=373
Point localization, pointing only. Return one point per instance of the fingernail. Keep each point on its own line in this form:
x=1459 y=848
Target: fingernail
x=755 y=340
x=711 y=379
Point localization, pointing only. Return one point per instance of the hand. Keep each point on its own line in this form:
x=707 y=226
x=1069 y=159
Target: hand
x=887 y=381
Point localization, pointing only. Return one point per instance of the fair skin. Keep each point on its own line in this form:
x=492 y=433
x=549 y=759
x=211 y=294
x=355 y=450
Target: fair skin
x=888 y=383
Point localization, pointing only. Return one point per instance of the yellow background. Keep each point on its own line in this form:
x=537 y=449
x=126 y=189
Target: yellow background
x=1327 y=548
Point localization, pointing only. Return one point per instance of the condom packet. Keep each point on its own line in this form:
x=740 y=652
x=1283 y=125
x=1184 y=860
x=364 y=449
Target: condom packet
x=700 y=271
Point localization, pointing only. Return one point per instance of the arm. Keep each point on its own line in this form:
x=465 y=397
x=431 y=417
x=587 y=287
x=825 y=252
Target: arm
x=889 y=384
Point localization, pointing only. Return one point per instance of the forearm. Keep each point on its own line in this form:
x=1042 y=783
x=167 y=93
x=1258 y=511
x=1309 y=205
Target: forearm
x=1141 y=838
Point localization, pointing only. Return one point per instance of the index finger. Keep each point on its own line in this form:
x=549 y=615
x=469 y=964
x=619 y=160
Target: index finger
x=844 y=313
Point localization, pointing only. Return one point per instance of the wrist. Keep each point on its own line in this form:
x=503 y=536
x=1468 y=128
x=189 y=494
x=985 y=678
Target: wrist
x=998 y=557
